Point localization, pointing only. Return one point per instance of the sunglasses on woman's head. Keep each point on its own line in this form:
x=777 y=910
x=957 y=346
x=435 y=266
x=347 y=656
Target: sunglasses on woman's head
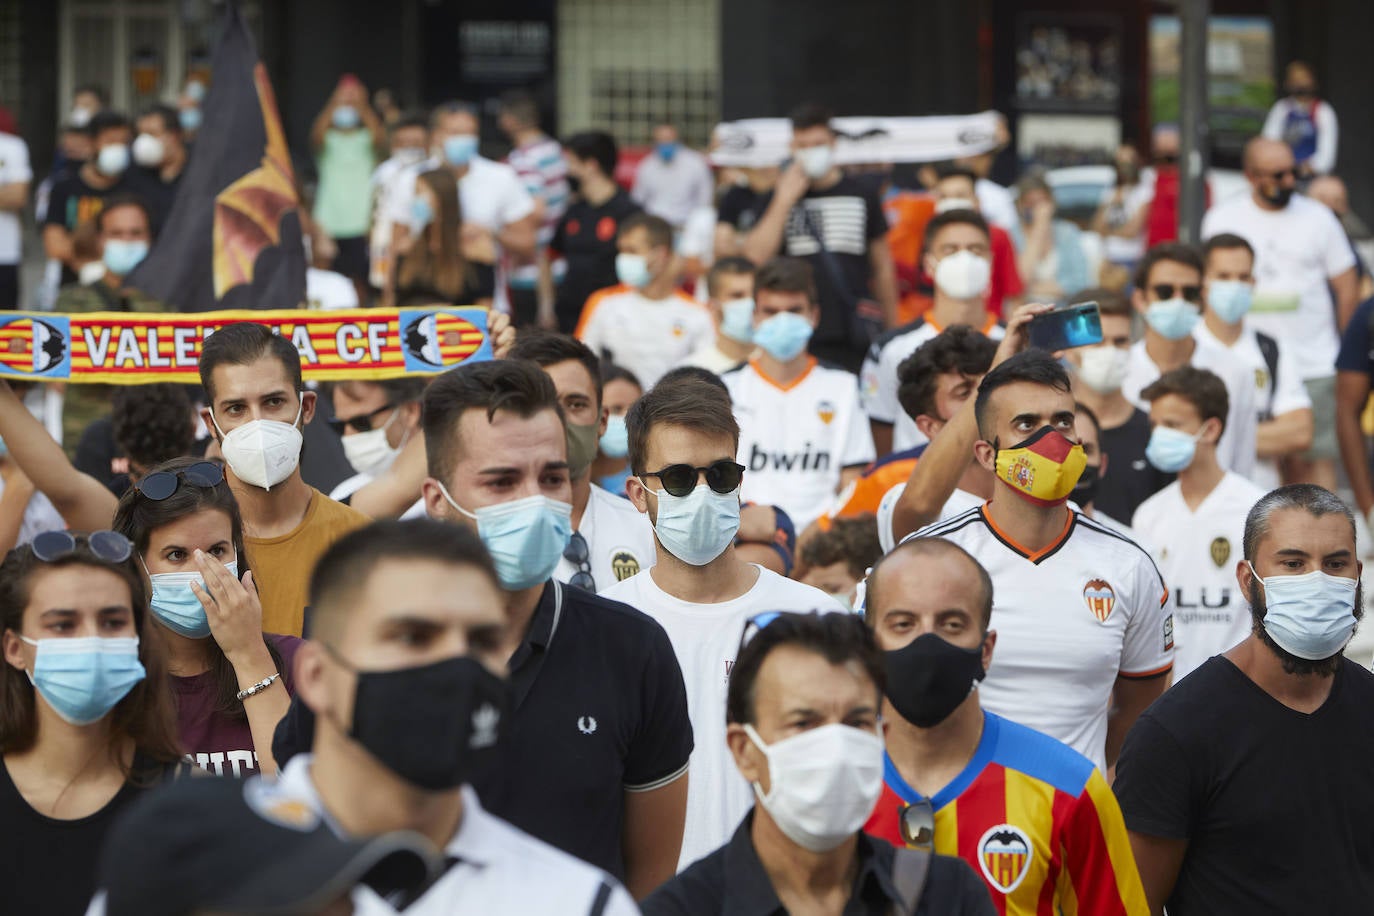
x=160 y=485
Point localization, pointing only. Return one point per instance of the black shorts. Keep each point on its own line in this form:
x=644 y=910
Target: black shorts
x=9 y=286
x=351 y=261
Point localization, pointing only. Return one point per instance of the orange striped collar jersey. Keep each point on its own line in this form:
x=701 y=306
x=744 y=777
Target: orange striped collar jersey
x=1035 y=819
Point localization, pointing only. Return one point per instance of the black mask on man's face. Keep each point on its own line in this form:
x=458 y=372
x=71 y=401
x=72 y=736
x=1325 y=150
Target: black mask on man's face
x=1279 y=196
x=929 y=677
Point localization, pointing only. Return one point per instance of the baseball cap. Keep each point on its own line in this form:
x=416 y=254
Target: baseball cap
x=245 y=847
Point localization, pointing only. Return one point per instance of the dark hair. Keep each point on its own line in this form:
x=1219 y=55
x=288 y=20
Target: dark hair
x=152 y=423
x=1178 y=252
x=171 y=121
x=403 y=390
x=242 y=344
x=696 y=373
x=691 y=403
x=786 y=275
x=811 y=114
x=594 y=146
x=1309 y=497
x=1199 y=387
x=941 y=548
x=520 y=104
x=411 y=118
x=660 y=233
x=731 y=265
x=954 y=170
x=144 y=715
x=1225 y=241
x=1109 y=302
x=424 y=272
x=612 y=373
x=104 y=120
x=1034 y=366
x=137 y=517
x=344 y=569
x=546 y=348
x=123 y=199
x=517 y=385
x=851 y=541
x=836 y=637
x=453 y=107
x=958 y=349
x=940 y=221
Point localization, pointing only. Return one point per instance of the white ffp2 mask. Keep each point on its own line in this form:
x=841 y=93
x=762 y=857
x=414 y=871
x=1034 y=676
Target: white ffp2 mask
x=263 y=453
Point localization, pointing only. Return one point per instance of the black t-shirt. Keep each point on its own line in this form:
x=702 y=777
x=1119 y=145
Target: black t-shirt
x=157 y=194
x=741 y=207
x=480 y=283
x=1130 y=478
x=847 y=217
x=48 y=866
x=72 y=202
x=1277 y=805
x=585 y=237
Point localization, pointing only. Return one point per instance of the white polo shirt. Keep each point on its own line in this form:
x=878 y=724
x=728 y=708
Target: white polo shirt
x=1070 y=618
x=646 y=336
x=620 y=540
x=14 y=169
x=795 y=440
x=706 y=638
x=1197 y=551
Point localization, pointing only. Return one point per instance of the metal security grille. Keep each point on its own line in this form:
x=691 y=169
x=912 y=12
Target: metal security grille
x=625 y=65
x=11 y=86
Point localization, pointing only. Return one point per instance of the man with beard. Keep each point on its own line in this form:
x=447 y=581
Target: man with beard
x=1245 y=788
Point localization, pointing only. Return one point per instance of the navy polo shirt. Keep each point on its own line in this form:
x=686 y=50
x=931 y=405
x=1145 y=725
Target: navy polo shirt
x=599 y=709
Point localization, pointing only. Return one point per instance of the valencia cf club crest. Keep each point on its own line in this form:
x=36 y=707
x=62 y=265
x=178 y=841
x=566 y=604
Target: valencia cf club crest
x=1100 y=598
x=1005 y=852
x=1261 y=379
x=624 y=565
x=826 y=411
x=1221 y=551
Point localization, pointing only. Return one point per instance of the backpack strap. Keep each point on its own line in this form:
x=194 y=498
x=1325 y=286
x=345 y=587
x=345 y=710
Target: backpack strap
x=1269 y=349
x=910 y=869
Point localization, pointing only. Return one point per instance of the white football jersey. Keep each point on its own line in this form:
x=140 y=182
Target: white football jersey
x=959 y=501
x=1197 y=551
x=620 y=540
x=1070 y=619
x=646 y=336
x=795 y=440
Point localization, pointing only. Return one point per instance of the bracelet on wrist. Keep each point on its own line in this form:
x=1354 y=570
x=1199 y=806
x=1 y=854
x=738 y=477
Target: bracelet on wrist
x=258 y=688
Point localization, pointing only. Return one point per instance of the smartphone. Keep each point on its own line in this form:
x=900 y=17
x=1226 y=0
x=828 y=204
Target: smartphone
x=1063 y=329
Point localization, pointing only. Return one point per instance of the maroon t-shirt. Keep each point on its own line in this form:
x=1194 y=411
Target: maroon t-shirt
x=213 y=741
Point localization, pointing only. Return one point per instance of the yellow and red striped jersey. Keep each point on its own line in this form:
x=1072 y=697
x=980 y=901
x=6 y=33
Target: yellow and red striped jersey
x=1035 y=818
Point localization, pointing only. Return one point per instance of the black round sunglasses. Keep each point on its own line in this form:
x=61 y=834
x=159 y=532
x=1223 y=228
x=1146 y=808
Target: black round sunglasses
x=723 y=476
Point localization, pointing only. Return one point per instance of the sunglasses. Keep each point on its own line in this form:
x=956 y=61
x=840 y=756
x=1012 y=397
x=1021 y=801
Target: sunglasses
x=159 y=485
x=110 y=546
x=1164 y=291
x=361 y=423
x=577 y=554
x=723 y=476
x=918 y=825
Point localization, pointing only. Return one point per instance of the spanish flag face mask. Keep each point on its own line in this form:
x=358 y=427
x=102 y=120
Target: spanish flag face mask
x=1042 y=469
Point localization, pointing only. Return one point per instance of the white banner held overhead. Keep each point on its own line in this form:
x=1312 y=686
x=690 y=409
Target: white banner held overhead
x=758 y=142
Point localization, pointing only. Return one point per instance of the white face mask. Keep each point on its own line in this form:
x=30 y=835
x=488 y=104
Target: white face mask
x=1104 y=368
x=263 y=453
x=149 y=151
x=823 y=783
x=370 y=453
x=816 y=161
x=963 y=275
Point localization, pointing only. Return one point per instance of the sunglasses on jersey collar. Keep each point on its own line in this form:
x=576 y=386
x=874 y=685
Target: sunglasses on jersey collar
x=918 y=825
x=723 y=476
x=160 y=485
x=1164 y=291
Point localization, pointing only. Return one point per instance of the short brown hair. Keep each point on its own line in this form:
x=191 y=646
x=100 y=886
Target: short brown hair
x=1109 y=302
x=851 y=541
x=1203 y=389
x=1177 y=252
x=786 y=275
x=242 y=344
x=660 y=233
x=517 y=385
x=688 y=402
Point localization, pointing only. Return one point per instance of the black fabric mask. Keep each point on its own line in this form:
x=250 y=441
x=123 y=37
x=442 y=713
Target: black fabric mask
x=930 y=677
x=1280 y=197
x=1085 y=491
x=433 y=725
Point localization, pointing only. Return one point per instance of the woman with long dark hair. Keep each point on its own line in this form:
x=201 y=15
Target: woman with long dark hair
x=445 y=261
x=86 y=719
x=231 y=684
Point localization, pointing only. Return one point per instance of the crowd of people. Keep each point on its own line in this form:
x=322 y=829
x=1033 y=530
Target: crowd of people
x=766 y=567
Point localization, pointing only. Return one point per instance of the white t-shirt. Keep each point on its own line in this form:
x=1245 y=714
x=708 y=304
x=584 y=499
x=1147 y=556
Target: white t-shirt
x=1275 y=395
x=39 y=515
x=674 y=189
x=327 y=290
x=795 y=441
x=1236 y=451
x=1120 y=249
x=996 y=203
x=1069 y=618
x=878 y=376
x=646 y=336
x=1197 y=552
x=705 y=638
x=959 y=501
x=14 y=169
x=711 y=359
x=1297 y=249
x=620 y=540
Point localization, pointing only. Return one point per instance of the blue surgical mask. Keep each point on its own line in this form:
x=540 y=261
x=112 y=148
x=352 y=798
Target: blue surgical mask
x=1312 y=615
x=696 y=528
x=525 y=537
x=737 y=320
x=1173 y=319
x=632 y=270
x=666 y=151
x=82 y=679
x=784 y=336
x=615 y=441
x=346 y=117
x=1170 y=450
x=459 y=150
x=421 y=213
x=176 y=607
x=121 y=256
x=190 y=118
x=1230 y=299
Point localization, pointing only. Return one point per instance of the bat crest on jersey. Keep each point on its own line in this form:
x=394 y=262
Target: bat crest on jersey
x=1100 y=598
x=624 y=564
x=826 y=411
x=1221 y=551
x=1004 y=852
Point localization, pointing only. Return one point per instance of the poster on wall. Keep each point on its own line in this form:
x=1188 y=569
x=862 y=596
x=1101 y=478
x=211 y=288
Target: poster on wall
x=1240 y=66
x=1068 y=63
